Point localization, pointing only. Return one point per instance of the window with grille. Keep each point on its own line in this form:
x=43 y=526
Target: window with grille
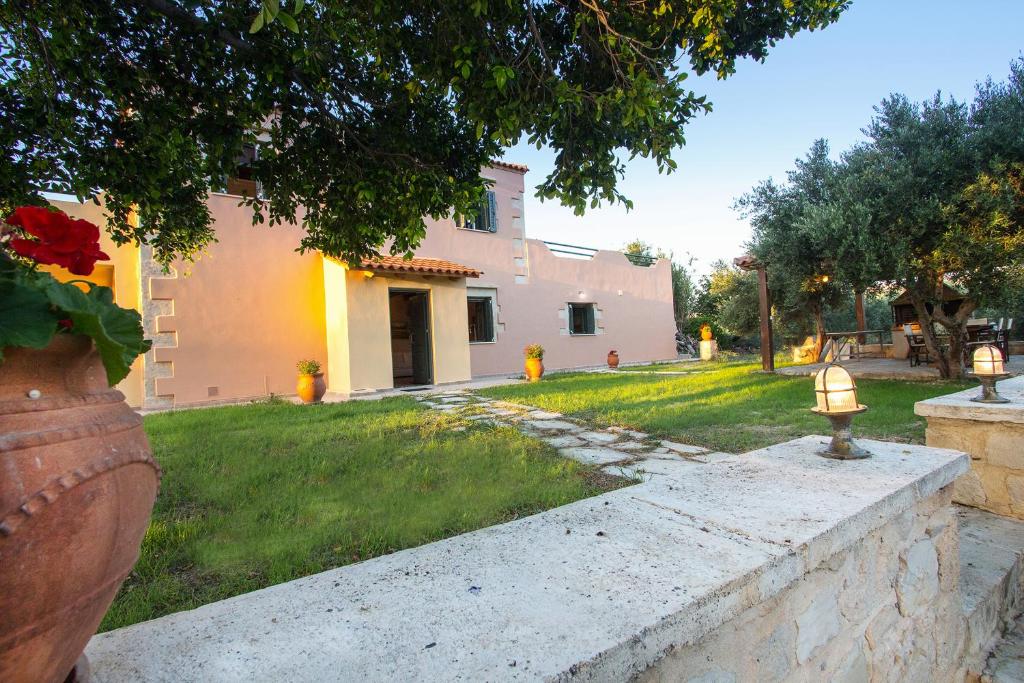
x=486 y=219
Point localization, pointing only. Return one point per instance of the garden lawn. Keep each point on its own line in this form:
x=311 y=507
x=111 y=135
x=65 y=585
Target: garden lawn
x=725 y=406
x=259 y=494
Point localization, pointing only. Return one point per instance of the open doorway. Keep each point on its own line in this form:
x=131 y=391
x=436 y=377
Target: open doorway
x=410 y=337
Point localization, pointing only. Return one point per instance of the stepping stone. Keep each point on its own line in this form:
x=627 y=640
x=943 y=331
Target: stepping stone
x=599 y=437
x=454 y=399
x=566 y=441
x=661 y=449
x=544 y=415
x=554 y=425
x=595 y=455
x=683 y=448
x=624 y=471
x=631 y=446
x=628 y=432
x=483 y=416
x=502 y=413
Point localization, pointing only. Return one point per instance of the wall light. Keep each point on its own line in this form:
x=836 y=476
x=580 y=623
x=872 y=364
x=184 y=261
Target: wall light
x=837 y=401
x=988 y=368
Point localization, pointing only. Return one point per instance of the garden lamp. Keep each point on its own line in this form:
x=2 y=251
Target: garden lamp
x=837 y=400
x=988 y=368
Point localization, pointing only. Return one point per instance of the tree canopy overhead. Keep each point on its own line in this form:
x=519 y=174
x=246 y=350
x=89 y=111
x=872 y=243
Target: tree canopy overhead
x=373 y=114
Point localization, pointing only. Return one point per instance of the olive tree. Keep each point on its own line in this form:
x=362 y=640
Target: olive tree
x=368 y=115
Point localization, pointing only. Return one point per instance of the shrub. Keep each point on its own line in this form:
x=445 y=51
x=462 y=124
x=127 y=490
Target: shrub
x=308 y=367
x=534 y=351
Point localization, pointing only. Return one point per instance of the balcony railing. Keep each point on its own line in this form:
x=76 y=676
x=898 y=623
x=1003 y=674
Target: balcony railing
x=576 y=251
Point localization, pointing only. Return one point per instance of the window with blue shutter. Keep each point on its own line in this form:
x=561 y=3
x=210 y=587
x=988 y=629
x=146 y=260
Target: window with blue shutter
x=486 y=219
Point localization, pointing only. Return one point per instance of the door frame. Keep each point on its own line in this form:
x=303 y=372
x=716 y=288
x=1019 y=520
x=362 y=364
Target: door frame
x=428 y=328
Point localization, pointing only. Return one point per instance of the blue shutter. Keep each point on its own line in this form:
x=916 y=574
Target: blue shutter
x=492 y=212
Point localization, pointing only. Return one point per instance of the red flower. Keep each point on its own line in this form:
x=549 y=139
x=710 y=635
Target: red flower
x=60 y=240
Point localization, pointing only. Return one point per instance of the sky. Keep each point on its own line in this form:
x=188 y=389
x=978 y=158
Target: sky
x=766 y=115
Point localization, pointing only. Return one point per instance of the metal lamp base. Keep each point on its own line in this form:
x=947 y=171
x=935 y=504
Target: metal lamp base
x=842 y=446
x=988 y=388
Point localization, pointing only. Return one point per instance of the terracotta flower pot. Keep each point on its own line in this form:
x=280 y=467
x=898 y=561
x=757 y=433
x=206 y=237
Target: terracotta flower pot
x=311 y=388
x=534 y=369
x=76 y=492
x=613 y=359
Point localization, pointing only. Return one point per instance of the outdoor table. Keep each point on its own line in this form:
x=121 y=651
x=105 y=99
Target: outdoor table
x=850 y=342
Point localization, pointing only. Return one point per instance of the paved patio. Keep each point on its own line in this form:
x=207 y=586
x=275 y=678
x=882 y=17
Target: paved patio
x=886 y=368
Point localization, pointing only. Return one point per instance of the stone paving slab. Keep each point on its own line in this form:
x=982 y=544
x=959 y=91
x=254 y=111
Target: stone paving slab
x=594 y=590
x=593 y=455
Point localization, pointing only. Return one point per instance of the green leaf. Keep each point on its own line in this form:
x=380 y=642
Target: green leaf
x=299 y=4
x=116 y=332
x=288 y=21
x=25 y=317
x=257 y=23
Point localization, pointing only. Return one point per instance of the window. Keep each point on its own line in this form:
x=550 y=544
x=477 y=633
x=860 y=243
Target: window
x=242 y=182
x=486 y=219
x=581 y=319
x=481 y=319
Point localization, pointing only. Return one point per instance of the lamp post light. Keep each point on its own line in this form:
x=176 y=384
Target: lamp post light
x=988 y=368
x=837 y=400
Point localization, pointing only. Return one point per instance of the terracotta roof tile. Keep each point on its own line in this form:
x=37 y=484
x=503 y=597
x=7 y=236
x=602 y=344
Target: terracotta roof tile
x=509 y=166
x=433 y=266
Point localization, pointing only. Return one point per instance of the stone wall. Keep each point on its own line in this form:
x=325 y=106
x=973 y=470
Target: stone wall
x=993 y=435
x=885 y=609
x=996 y=480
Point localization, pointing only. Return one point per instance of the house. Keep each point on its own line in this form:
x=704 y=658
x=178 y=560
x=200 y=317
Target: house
x=232 y=325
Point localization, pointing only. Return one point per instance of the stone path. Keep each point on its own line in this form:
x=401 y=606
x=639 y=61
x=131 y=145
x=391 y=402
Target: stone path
x=1006 y=663
x=621 y=452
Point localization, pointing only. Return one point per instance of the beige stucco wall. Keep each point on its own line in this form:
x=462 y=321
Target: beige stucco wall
x=533 y=286
x=126 y=281
x=243 y=314
x=359 y=330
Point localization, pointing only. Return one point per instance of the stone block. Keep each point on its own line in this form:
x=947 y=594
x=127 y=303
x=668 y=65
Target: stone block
x=918 y=582
x=818 y=624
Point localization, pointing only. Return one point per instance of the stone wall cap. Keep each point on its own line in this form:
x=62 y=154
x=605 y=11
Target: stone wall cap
x=596 y=590
x=959 y=406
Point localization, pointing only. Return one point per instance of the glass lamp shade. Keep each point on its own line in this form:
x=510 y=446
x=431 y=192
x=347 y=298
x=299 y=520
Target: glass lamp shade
x=835 y=390
x=988 y=361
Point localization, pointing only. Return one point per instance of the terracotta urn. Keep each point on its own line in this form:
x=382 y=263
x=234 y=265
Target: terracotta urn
x=613 y=359
x=77 y=487
x=311 y=388
x=534 y=369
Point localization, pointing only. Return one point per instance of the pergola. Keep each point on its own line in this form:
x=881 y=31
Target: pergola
x=750 y=262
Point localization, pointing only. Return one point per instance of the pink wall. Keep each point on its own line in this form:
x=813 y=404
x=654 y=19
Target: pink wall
x=635 y=303
x=248 y=310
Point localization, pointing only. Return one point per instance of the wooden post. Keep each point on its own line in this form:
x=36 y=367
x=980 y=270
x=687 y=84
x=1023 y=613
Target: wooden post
x=858 y=305
x=767 y=343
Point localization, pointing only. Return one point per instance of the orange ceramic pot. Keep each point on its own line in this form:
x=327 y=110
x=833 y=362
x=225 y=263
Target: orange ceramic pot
x=534 y=369
x=613 y=359
x=76 y=492
x=311 y=388
x=705 y=332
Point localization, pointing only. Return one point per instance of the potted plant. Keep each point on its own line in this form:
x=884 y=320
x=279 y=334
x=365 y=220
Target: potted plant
x=79 y=480
x=534 y=362
x=613 y=359
x=311 y=386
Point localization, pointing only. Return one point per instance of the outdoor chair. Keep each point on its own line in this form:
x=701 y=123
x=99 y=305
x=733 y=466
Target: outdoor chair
x=1002 y=340
x=918 y=351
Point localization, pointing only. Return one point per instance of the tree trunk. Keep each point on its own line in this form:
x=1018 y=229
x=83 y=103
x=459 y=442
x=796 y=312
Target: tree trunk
x=858 y=306
x=819 y=328
x=949 y=361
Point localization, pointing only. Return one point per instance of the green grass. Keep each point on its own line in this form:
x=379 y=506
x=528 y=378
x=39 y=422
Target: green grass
x=727 y=406
x=259 y=494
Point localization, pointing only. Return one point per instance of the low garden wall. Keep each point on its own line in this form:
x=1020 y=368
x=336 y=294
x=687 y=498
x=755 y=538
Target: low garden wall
x=886 y=608
x=774 y=563
x=993 y=435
